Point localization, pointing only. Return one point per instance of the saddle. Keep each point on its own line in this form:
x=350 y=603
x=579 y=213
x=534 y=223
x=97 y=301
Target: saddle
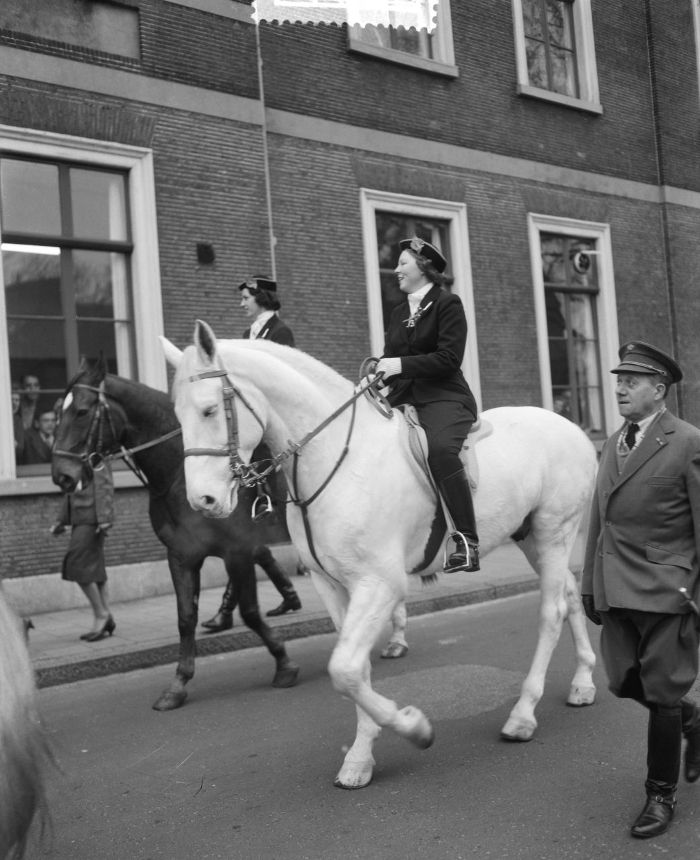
x=418 y=443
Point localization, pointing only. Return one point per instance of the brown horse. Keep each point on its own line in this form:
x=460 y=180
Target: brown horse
x=103 y=414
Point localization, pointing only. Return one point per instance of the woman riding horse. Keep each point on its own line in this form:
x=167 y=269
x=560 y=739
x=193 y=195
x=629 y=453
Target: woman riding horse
x=423 y=354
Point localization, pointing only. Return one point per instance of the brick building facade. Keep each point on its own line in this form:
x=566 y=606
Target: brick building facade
x=514 y=166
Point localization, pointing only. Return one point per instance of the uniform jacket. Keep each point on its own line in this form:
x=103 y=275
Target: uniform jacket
x=644 y=535
x=35 y=449
x=92 y=504
x=431 y=351
x=274 y=330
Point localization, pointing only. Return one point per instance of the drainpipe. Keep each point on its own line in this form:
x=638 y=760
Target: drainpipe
x=266 y=158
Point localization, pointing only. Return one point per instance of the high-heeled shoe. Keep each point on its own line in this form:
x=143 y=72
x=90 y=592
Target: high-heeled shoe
x=107 y=628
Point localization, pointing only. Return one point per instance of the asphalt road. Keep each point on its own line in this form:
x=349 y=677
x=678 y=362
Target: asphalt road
x=246 y=771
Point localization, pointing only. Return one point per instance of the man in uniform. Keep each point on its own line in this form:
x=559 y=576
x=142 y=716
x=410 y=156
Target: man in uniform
x=642 y=569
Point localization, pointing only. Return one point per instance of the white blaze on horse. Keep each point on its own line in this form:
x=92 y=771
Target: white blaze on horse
x=370 y=508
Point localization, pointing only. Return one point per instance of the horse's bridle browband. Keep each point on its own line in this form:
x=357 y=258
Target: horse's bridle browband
x=251 y=474
x=93 y=455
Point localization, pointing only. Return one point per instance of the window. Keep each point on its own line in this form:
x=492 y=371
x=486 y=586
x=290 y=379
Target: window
x=423 y=39
x=72 y=280
x=555 y=52
x=388 y=218
x=577 y=324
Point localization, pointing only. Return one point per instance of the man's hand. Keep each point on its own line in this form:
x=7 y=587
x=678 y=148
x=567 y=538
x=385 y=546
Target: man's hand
x=57 y=529
x=103 y=527
x=589 y=608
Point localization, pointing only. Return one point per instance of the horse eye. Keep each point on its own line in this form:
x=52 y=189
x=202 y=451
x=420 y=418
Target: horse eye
x=82 y=411
x=209 y=411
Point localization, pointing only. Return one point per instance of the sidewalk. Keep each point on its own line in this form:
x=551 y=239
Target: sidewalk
x=146 y=633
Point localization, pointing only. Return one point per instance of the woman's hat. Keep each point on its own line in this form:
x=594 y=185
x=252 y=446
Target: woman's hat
x=639 y=357
x=424 y=249
x=259 y=284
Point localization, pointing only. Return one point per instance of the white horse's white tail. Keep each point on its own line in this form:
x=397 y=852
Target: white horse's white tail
x=23 y=748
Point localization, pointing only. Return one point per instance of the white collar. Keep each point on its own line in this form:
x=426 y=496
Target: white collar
x=414 y=299
x=259 y=323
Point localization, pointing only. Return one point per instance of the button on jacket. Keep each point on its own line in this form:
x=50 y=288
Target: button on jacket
x=644 y=535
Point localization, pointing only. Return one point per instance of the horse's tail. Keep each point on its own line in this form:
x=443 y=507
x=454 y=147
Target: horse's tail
x=24 y=751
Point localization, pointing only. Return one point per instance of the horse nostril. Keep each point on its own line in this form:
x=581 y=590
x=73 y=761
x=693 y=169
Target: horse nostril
x=207 y=501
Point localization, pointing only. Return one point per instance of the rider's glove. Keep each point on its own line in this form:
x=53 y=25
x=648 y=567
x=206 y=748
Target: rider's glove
x=388 y=367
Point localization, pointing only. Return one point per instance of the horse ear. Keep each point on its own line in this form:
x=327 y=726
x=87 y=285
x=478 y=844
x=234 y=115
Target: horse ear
x=205 y=341
x=173 y=355
x=84 y=364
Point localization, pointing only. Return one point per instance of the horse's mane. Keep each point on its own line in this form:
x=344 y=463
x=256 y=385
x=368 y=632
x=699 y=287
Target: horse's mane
x=324 y=377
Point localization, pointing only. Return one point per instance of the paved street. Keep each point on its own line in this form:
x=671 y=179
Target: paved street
x=246 y=771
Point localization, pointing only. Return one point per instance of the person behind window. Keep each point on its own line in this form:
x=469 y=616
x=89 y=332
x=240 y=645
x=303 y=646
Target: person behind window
x=641 y=559
x=423 y=353
x=38 y=442
x=17 y=425
x=259 y=300
x=31 y=389
x=90 y=513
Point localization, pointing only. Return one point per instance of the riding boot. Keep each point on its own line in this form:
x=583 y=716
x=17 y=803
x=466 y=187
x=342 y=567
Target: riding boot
x=457 y=495
x=267 y=561
x=690 y=714
x=223 y=620
x=663 y=767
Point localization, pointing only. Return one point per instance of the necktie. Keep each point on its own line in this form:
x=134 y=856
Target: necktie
x=631 y=435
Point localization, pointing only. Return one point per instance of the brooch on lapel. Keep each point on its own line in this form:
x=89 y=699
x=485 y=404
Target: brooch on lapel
x=413 y=321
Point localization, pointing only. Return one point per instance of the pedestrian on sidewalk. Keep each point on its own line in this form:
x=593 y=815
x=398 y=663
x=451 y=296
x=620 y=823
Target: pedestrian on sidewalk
x=260 y=301
x=642 y=570
x=90 y=513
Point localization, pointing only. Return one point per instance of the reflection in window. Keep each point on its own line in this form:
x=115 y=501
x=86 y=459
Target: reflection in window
x=65 y=264
x=571 y=290
x=392 y=227
x=410 y=30
x=550 y=46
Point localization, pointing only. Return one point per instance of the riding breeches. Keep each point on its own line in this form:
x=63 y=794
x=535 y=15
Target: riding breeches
x=447 y=424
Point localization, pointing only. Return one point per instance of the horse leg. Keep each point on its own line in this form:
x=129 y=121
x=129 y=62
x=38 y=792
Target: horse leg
x=186 y=582
x=242 y=572
x=551 y=564
x=397 y=645
x=582 y=690
x=371 y=605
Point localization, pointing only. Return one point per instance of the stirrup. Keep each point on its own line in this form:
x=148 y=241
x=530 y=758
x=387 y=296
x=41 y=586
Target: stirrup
x=262 y=508
x=471 y=553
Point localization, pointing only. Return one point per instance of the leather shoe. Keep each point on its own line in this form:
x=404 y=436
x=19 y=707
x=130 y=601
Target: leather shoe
x=656 y=816
x=692 y=753
x=289 y=604
x=108 y=627
x=221 y=621
x=460 y=560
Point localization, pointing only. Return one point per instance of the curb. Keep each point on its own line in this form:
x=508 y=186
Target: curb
x=147 y=658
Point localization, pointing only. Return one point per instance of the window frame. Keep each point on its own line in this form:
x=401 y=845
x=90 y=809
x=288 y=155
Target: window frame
x=137 y=162
x=589 y=99
x=444 y=66
x=606 y=304
x=455 y=213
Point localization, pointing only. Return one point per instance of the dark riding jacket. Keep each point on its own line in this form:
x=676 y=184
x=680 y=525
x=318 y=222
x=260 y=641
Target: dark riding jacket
x=274 y=330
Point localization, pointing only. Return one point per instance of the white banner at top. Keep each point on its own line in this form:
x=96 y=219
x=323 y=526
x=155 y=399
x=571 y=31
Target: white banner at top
x=420 y=14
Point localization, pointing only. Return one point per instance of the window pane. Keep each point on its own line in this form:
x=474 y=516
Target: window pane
x=97 y=337
x=410 y=41
x=373 y=35
x=532 y=18
x=536 y=64
x=92 y=278
x=99 y=205
x=32 y=281
x=37 y=347
x=30 y=201
x=563 y=73
x=559 y=26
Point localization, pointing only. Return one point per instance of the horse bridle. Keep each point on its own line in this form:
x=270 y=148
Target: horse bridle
x=94 y=455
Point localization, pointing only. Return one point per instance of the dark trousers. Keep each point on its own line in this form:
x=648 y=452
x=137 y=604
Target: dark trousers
x=447 y=424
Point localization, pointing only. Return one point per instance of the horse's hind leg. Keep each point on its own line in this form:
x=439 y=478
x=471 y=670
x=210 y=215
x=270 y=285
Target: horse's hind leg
x=397 y=645
x=550 y=560
x=186 y=582
x=242 y=572
x=582 y=690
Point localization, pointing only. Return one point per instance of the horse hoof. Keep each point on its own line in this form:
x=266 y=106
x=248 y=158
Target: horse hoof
x=518 y=730
x=579 y=697
x=394 y=650
x=170 y=701
x=286 y=677
x=354 y=775
x=413 y=725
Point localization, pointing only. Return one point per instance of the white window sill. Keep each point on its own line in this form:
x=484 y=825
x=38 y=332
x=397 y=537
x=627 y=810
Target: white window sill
x=565 y=101
x=42 y=484
x=427 y=65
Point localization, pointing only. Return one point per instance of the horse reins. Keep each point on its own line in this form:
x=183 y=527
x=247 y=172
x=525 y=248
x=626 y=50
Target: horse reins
x=250 y=474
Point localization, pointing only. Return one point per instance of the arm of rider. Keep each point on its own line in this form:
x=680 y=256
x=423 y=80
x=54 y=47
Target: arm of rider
x=389 y=367
x=589 y=608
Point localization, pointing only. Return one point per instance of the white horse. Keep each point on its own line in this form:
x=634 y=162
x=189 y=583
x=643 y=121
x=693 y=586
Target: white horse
x=23 y=748
x=371 y=522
